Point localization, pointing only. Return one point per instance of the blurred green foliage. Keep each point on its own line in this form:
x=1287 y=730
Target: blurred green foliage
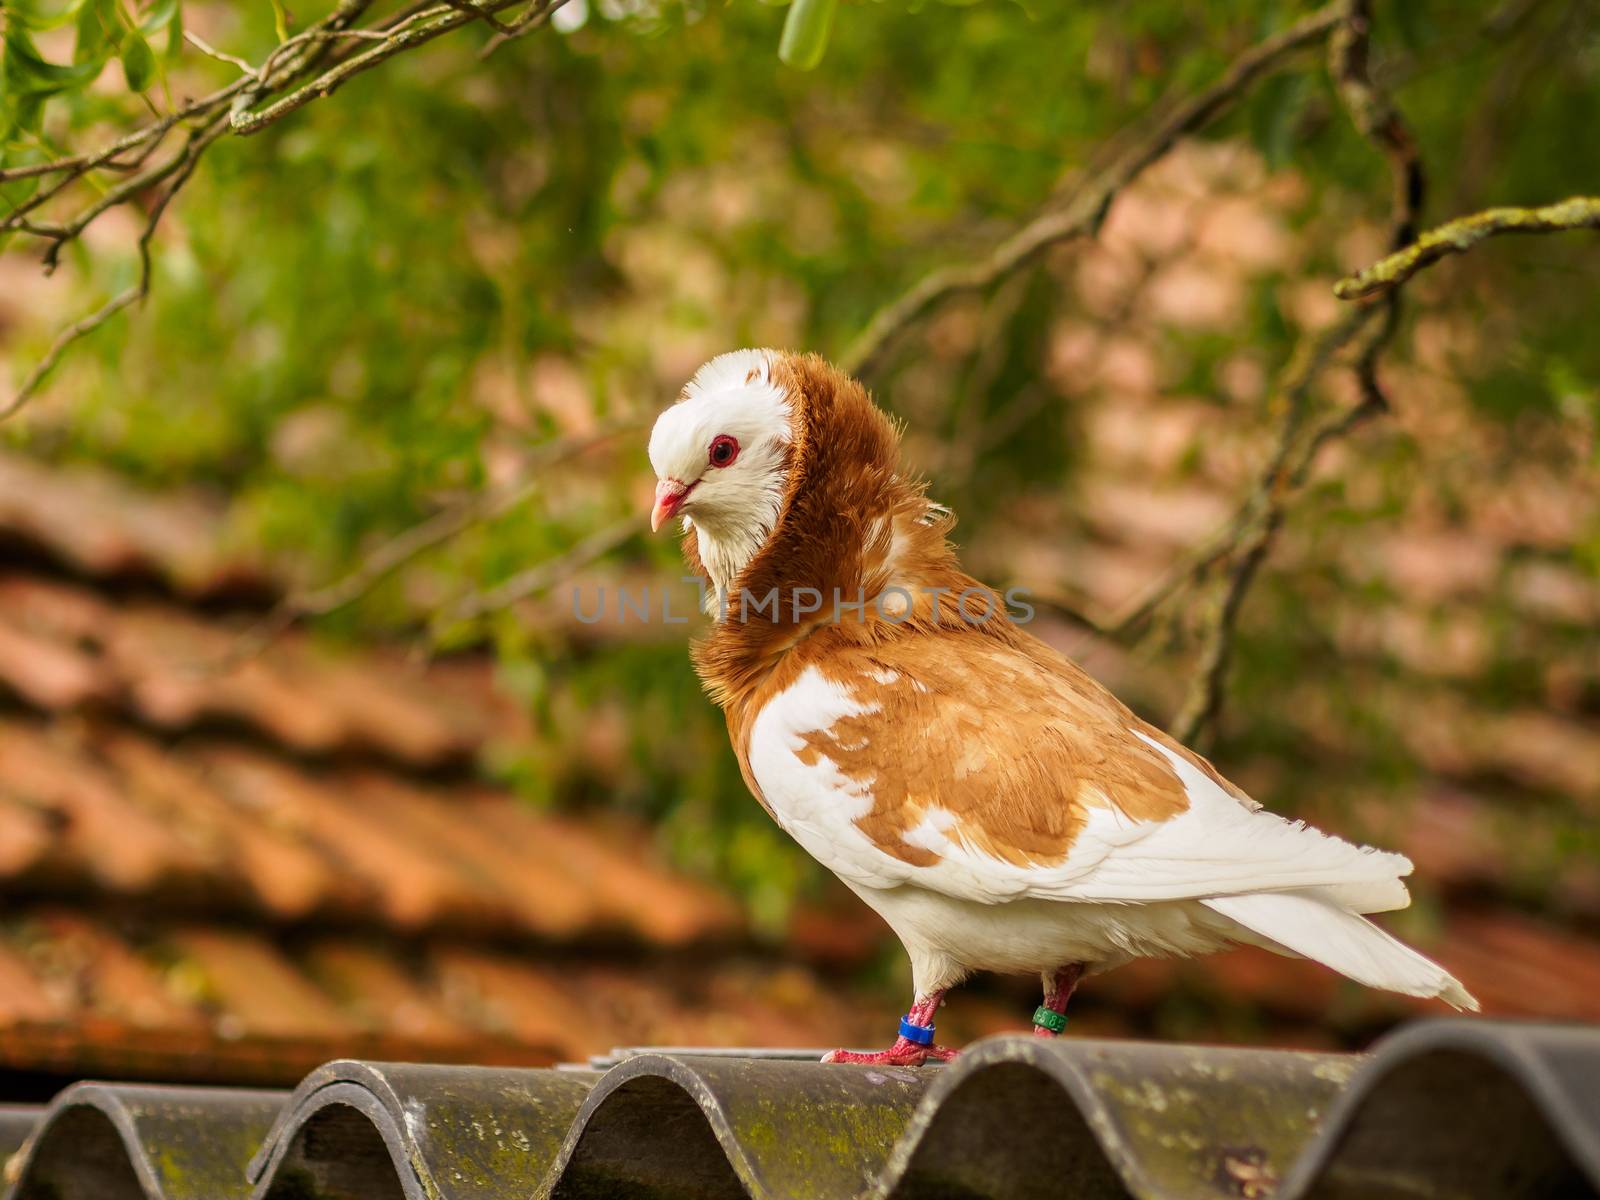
x=338 y=302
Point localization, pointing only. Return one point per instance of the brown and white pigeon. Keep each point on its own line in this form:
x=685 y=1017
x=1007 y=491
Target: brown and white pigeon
x=1000 y=809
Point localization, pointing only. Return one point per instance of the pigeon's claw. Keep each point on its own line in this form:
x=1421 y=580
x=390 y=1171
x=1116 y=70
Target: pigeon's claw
x=904 y=1053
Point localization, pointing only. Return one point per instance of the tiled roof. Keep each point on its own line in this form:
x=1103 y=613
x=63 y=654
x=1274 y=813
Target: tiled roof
x=94 y=523
x=1474 y=1110
x=222 y=866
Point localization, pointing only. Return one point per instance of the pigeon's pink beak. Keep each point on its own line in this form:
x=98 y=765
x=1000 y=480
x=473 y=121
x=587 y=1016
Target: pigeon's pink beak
x=670 y=495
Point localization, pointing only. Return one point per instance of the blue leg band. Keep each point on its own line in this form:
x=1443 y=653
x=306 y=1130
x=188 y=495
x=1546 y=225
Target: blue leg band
x=922 y=1035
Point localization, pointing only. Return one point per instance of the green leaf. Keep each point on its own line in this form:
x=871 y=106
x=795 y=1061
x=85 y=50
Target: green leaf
x=27 y=110
x=98 y=32
x=280 y=20
x=40 y=17
x=26 y=73
x=805 y=33
x=175 y=34
x=138 y=61
x=17 y=191
x=164 y=16
x=157 y=17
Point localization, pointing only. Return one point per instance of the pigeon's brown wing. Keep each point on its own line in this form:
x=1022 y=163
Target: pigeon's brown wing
x=994 y=769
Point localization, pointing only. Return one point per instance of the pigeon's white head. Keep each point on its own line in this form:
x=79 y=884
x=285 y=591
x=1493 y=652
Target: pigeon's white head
x=721 y=457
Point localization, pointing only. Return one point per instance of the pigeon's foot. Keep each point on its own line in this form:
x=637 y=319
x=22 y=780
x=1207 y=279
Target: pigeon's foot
x=1050 y=1018
x=912 y=1048
x=904 y=1053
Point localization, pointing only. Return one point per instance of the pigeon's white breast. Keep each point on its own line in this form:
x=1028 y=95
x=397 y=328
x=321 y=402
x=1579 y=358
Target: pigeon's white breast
x=816 y=803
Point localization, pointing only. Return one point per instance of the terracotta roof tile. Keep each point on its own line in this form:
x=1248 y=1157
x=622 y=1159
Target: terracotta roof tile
x=1548 y=750
x=614 y=867
x=101 y=525
x=105 y=974
x=517 y=999
x=1448 y=835
x=544 y=899
x=411 y=885
x=26 y=833
x=252 y=989
x=383 y=707
x=282 y=872
x=63 y=647
x=1520 y=967
x=374 y=987
x=218 y=821
x=640 y=1007
x=179 y=670
x=121 y=846
x=46 y=672
x=23 y=995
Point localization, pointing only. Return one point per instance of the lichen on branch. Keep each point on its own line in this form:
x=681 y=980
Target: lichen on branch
x=1462 y=234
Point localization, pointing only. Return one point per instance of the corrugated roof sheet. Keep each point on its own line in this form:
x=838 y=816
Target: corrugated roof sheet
x=1449 y=1108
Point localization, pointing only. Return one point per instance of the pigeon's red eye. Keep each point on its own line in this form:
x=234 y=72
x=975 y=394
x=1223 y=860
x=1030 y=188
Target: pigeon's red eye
x=724 y=450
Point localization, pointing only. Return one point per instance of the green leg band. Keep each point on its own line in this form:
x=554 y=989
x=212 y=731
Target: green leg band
x=1049 y=1018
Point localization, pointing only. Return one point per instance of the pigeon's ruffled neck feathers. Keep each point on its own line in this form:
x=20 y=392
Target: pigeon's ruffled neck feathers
x=851 y=527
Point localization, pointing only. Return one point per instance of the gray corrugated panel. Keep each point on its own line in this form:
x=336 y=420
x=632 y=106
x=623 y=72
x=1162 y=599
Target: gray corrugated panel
x=717 y=1127
x=1459 y=1109
x=16 y=1123
x=1019 y=1117
x=114 y=1142
x=621 y=1054
x=1480 y=1110
x=1453 y=1110
x=379 y=1130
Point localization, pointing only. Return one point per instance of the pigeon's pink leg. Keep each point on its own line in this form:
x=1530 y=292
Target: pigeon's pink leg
x=904 y=1052
x=1057 y=992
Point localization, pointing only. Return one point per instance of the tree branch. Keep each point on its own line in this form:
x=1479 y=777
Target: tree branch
x=541 y=576
x=424 y=27
x=1084 y=213
x=181 y=168
x=1246 y=541
x=225 y=110
x=63 y=340
x=1266 y=511
x=410 y=544
x=483 y=15
x=1462 y=234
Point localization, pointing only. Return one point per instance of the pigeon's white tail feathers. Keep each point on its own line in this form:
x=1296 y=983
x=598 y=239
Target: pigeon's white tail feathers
x=1315 y=927
x=1383 y=895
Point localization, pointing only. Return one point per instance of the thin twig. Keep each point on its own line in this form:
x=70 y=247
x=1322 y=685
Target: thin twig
x=1376 y=118
x=227 y=108
x=121 y=194
x=536 y=15
x=147 y=138
x=411 y=543
x=1084 y=213
x=488 y=18
x=1462 y=234
x=64 y=339
x=182 y=167
x=32 y=170
x=1246 y=540
x=205 y=47
x=424 y=28
x=541 y=576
